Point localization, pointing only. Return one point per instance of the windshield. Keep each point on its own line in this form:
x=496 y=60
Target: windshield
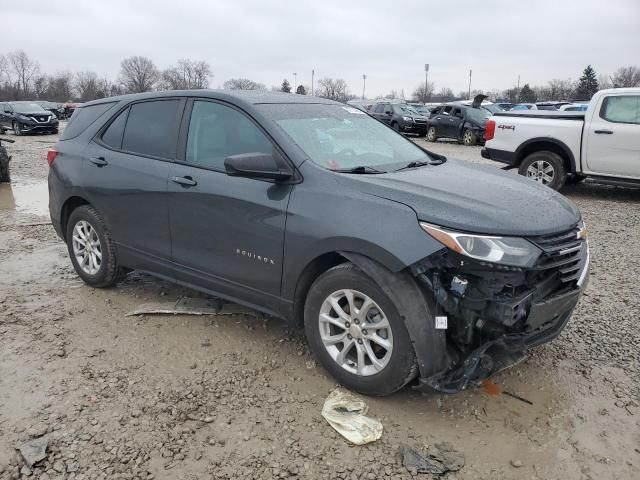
x=27 y=107
x=478 y=115
x=342 y=137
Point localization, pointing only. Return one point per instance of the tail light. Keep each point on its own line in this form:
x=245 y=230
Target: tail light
x=51 y=156
x=490 y=130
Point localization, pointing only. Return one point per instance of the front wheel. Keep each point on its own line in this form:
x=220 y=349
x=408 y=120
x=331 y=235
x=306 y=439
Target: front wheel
x=396 y=127
x=431 y=134
x=469 y=138
x=91 y=248
x=16 y=129
x=356 y=332
x=544 y=167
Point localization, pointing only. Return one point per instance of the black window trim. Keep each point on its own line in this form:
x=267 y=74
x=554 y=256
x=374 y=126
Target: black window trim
x=603 y=108
x=180 y=117
x=181 y=158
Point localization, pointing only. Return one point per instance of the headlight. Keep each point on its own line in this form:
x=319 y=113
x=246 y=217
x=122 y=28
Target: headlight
x=22 y=117
x=407 y=119
x=504 y=250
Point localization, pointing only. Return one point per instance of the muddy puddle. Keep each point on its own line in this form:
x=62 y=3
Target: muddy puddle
x=25 y=196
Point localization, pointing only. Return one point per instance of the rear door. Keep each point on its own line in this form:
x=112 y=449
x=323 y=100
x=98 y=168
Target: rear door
x=228 y=232
x=613 y=137
x=127 y=170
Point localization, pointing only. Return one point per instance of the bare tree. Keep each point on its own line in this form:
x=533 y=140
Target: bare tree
x=23 y=69
x=86 y=85
x=243 y=84
x=40 y=86
x=333 y=89
x=422 y=94
x=187 y=75
x=561 y=89
x=626 y=77
x=138 y=74
x=59 y=87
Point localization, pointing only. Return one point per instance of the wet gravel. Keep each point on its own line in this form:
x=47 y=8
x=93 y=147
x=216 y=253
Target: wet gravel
x=240 y=397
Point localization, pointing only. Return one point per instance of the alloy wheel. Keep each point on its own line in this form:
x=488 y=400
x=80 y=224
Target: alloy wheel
x=467 y=138
x=541 y=171
x=86 y=247
x=355 y=332
x=431 y=134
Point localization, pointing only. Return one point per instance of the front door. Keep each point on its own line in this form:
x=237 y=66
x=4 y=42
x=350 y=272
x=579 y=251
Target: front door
x=454 y=123
x=227 y=232
x=613 y=137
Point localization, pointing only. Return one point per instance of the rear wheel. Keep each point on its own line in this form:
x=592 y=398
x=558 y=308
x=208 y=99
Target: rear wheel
x=356 y=332
x=469 y=138
x=91 y=248
x=431 y=134
x=544 y=167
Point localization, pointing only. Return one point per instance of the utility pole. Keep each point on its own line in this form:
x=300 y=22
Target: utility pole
x=518 y=90
x=295 y=82
x=470 y=84
x=427 y=95
x=364 y=82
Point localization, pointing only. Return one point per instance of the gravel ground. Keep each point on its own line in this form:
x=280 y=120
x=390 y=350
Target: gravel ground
x=180 y=397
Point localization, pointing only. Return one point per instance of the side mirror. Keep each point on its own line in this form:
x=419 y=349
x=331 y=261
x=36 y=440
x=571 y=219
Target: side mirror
x=255 y=165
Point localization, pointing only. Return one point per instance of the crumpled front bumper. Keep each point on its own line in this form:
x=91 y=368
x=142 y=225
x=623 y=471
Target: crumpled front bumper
x=546 y=319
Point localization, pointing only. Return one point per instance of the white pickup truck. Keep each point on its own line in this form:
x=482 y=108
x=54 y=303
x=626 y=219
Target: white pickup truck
x=602 y=143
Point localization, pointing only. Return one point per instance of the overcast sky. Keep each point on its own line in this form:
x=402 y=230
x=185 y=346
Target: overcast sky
x=388 y=40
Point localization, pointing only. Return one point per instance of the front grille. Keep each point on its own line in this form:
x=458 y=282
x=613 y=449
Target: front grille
x=417 y=120
x=562 y=256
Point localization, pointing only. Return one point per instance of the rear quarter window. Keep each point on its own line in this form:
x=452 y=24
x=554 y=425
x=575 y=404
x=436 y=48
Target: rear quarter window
x=83 y=117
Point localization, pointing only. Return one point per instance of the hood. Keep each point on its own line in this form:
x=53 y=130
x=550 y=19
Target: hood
x=477 y=100
x=475 y=198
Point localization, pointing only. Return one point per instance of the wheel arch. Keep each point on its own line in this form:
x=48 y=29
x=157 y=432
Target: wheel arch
x=68 y=207
x=540 y=144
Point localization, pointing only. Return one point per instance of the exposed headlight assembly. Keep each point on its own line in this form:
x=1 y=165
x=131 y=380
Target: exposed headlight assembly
x=408 y=119
x=514 y=251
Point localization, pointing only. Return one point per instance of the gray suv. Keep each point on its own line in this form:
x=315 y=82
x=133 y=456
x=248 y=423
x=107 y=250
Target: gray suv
x=401 y=117
x=401 y=265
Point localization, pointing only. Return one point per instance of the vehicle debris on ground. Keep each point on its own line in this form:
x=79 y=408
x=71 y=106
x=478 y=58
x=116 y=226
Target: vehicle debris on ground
x=347 y=415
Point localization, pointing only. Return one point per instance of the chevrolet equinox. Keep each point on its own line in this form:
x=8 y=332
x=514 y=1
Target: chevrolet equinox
x=400 y=264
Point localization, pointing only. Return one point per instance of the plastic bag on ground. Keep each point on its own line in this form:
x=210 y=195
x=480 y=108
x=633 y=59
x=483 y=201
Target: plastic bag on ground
x=347 y=415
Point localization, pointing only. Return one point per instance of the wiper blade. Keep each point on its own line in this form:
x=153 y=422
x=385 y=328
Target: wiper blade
x=414 y=164
x=359 y=169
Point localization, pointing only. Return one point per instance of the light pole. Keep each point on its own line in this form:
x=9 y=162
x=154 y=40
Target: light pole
x=364 y=81
x=295 y=82
x=518 y=90
x=426 y=82
x=313 y=72
x=469 y=84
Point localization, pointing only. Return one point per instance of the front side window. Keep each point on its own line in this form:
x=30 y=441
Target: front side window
x=337 y=137
x=152 y=128
x=621 y=109
x=217 y=132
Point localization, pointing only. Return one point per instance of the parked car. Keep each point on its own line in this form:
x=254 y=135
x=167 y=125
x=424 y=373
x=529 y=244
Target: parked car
x=401 y=117
x=461 y=122
x=69 y=108
x=27 y=117
x=525 y=106
x=421 y=109
x=316 y=213
x=489 y=106
x=505 y=105
x=364 y=105
x=574 y=107
x=602 y=143
x=53 y=107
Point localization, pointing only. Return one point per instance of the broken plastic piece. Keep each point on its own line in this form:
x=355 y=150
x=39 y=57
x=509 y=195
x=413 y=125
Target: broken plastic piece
x=347 y=415
x=440 y=459
x=192 y=306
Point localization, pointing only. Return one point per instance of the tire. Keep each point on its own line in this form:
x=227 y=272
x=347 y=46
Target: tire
x=574 y=179
x=469 y=138
x=431 y=134
x=107 y=272
x=396 y=364
x=396 y=127
x=544 y=167
x=16 y=129
x=54 y=132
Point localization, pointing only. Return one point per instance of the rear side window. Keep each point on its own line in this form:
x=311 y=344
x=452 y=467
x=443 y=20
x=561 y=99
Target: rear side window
x=152 y=128
x=217 y=132
x=83 y=117
x=112 y=136
x=379 y=108
x=621 y=109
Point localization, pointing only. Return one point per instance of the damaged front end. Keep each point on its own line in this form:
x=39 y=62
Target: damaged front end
x=496 y=312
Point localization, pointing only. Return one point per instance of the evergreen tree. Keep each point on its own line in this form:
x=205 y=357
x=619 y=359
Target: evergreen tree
x=286 y=86
x=527 y=95
x=301 y=90
x=588 y=84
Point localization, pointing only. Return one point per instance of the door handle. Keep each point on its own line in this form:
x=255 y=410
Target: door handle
x=185 y=181
x=606 y=132
x=99 y=161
